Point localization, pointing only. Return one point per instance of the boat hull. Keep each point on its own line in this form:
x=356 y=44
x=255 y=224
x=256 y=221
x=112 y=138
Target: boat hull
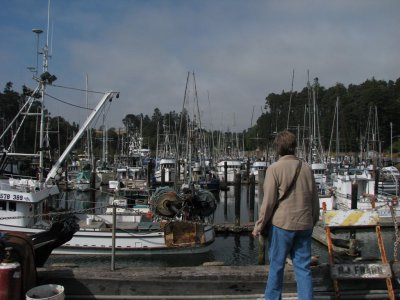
x=141 y=241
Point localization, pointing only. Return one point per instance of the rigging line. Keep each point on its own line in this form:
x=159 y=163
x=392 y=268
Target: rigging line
x=14 y=136
x=67 y=102
x=77 y=89
x=105 y=112
x=96 y=120
x=30 y=99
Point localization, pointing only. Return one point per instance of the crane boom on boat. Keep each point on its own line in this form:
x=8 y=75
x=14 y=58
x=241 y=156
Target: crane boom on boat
x=53 y=172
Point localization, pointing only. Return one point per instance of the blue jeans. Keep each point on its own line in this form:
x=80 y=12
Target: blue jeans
x=298 y=244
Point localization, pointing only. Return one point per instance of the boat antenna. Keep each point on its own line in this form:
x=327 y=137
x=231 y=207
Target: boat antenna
x=37 y=32
x=48 y=22
x=51 y=38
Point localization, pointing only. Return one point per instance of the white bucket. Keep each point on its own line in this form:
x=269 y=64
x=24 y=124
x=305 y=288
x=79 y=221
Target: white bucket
x=46 y=292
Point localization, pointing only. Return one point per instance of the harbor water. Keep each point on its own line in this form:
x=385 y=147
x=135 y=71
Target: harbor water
x=231 y=249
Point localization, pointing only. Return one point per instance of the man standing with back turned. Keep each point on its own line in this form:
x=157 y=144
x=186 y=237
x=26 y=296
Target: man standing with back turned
x=291 y=204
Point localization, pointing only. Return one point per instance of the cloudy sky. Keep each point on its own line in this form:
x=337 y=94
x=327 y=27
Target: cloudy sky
x=239 y=50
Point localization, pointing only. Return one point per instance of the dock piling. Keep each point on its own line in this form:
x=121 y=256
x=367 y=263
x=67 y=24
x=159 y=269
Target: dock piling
x=252 y=194
x=248 y=171
x=114 y=225
x=225 y=174
x=261 y=239
x=238 y=182
x=352 y=240
x=162 y=177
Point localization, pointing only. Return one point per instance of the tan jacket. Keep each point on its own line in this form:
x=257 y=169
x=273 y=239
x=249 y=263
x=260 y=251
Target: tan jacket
x=300 y=208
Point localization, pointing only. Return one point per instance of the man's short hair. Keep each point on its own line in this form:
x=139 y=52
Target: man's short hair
x=285 y=143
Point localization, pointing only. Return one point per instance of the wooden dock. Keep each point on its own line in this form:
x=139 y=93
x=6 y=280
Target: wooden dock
x=202 y=282
x=340 y=246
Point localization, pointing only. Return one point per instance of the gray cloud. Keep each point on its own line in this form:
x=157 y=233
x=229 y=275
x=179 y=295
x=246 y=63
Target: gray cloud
x=240 y=51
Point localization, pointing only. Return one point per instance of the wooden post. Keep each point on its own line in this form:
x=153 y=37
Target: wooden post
x=261 y=239
x=93 y=185
x=248 y=171
x=352 y=239
x=238 y=180
x=114 y=218
x=149 y=173
x=354 y=195
x=162 y=177
x=226 y=173
x=252 y=194
x=226 y=203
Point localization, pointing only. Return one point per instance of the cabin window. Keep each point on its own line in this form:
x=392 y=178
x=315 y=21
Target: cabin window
x=12 y=206
x=3 y=205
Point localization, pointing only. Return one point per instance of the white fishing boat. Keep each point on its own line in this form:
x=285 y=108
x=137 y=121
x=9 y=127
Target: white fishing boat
x=128 y=177
x=364 y=187
x=166 y=170
x=139 y=238
x=355 y=188
x=24 y=202
x=319 y=170
x=256 y=167
x=151 y=227
x=228 y=168
x=23 y=209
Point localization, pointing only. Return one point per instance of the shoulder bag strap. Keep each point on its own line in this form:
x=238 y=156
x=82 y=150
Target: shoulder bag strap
x=293 y=181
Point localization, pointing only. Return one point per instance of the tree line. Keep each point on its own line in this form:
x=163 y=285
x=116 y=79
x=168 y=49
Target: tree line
x=371 y=105
x=366 y=112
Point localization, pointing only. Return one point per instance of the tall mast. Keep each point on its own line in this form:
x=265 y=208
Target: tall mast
x=311 y=137
x=314 y=115
x=87 y=110
x=337 y=129
x=43 y=81
x=104 y=156
x=290 y=103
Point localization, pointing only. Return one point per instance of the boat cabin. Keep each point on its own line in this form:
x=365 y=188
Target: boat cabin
x=21 y=201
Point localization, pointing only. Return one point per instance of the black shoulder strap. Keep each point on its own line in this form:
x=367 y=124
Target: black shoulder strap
x=293 y=181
